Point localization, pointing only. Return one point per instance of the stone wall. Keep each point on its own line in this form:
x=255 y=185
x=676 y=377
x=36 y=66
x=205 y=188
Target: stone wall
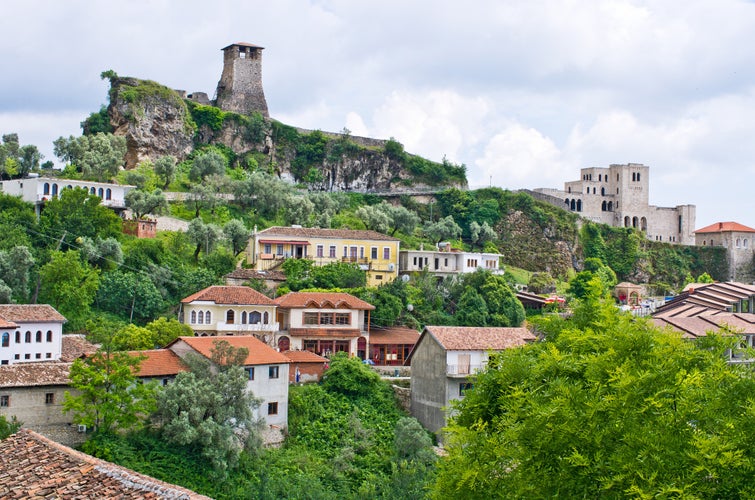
x=240 y=87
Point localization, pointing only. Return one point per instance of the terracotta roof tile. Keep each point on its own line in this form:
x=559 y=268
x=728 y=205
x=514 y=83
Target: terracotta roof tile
x=27 y=313
x=259 y=352
x=468 y=338
x=304 y=357
x=75 y=346
x=8 y=324
x=320 y=300
x=314 y=232
x=34 y=374
x=32 y=466
x=242 y=295
x=159 y=362
x=722 y=227
x=393 y=335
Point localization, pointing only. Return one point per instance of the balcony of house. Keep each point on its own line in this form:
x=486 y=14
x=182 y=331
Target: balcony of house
x=242 y=328
x=462 y=371
x=324 y=332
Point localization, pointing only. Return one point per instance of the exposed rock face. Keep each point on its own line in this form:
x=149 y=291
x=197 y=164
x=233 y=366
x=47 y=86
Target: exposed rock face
x=154 y=120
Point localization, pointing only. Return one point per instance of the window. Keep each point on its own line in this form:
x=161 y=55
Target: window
x=243 y=317
x=165 y=381
x=353 y=253
x=266 y=318
x=230 y=316
x=374 y=253
x=272 y=408
x=311 y=318
x=4 y=362
x=386 y=253
x=49 y=335
x=108 y=194
x=320 y=251
x=48 y=355
x=16 y=356
x=201 y=317
x=345 y=252
x=6 y=339
x=207 y=317
x=343 y=318
x=38 y=336
x=27 y=337
x=4 y=401
x=332 y=251
x=279 y=249
x=250 y=373
x=18 y=337
x=193 y=317
x=273 y=372
x=464 y=387
x=378 y=277
x=38 y=355
x=49 y=398
x=268 y=248
x=254 y=317
x=361 y=252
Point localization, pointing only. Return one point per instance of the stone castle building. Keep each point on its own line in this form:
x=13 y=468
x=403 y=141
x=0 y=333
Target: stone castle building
x=739 y=242
x=618 y=196
x=240 y=86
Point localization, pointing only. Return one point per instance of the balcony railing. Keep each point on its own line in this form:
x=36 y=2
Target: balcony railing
x=463 y=370
x=244 y=327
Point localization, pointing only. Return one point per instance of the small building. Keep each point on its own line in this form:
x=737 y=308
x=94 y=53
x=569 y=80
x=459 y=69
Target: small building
x=36 y=467
x=324 y=323
x=444 y=362
x=445 y=261
x=628 y=293
x=30 y=333
x=159 y=365
x=229 y=310
x=375 y=253
x=305 y=366
x=391 y=346
x=738 y=241
x=141 y=228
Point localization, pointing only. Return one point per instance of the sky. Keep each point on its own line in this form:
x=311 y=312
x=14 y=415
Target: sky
x=524 y=93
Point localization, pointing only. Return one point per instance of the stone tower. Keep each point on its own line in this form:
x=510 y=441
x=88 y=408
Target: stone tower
x=240 y=86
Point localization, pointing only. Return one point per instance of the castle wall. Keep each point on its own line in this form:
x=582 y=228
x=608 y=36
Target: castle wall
x=240 y=86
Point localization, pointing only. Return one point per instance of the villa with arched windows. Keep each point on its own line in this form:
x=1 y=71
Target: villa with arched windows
x=30 y=333
x=229 y=310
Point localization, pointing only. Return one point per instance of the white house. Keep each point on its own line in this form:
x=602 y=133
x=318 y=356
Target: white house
x=444 y=362
x=38 y=190
x=229 y=310
x=445 y=261
x=29 y=333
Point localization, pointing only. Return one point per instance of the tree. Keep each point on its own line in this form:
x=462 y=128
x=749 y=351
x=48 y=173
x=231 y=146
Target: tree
x=338 y=275
x=28 y=160
x=9 y=426
x=101 y=155
x=69 y=285
x=166 y=330
x=541 y=282
x=143 y=203
x=98 y=122
x=104 y=254
x=210 y=407
x=402 y=219
x=165 y=168
x=481 y=234
x=351 y=377
x=204 y=236
x=237 y=235
x=266 y=194
x=299 y=210
x=76 y=213
x=444 y=229
x=108 y=398
x=207 y=164
x=204 y=196
x=131 y=296
x=472 y=309
x=15 y=266
x=615 y=411
x=374 y=218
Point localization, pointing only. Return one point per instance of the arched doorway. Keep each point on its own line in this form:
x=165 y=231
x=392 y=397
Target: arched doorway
x=361 y=348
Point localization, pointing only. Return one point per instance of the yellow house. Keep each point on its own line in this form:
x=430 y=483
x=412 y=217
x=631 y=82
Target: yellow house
x=375 y=253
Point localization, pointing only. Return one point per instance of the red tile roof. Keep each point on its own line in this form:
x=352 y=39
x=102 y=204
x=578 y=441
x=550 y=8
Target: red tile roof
x=321 y=300
x=8 y=324
x=721 y=227
x=259 y=352
x=226 y=295
x=393 y=335
x=34 y=374
x=472 y=338
x=314 y=232
x=32 y=466
x=28 y=313
x=304 y=357
x=159 y=363
x=75 y=346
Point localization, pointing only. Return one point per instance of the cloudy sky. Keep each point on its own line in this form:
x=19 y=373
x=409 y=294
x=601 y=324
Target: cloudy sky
x=524 y=93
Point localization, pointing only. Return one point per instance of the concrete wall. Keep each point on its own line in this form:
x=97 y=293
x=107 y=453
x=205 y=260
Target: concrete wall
x=269 y=390
x=428 y=384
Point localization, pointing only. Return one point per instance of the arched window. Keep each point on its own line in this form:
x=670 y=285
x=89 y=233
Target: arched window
x=193 y=317
x=604 y=206
x=18 y=337
x=633 y=176
x=703 y=242
x=739 y=242
x=579 y=205
x=744 y=242
x=55 y=190
x=108 y=194
x=626 y=221
x=266 y=318
x=638 y=177
x=254 y=317
x=602 y=191
x=635 y=222
x=243 y=317
x=100 y=192
x=567 y=202
x=46 y=188
x=207 y=317
x=643 y=224
x=593 y=191
x=6 y=339
x=92 y=190
x=600 y=177
x=38 y=336
x=27 y=337
x=49 y=335
x=201 y=318
x=610 y=206
x=229 y=316
x=574 y=205
x=569 y=189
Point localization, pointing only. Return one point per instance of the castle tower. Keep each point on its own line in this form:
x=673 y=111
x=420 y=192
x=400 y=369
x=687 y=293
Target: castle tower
x=240 y=86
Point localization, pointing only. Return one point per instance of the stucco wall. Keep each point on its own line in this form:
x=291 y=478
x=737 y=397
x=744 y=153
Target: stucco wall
x=428 y=384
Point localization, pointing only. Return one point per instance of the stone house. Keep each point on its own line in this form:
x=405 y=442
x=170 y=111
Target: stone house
x=30 y=333
x=375 y=253
x=324 y=323
x=229 y=310
x=33 y=466
x=738 y=241
x=445 y=261
x=618 y=195
x=444 y=362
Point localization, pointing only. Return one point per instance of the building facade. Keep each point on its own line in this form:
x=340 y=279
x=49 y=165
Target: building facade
x=738 y=241
x=619 y=196
x=445 y=261
x=30 y=333
x=38 y=190
x=229 y=310
x=240 y=86
x=375 y=253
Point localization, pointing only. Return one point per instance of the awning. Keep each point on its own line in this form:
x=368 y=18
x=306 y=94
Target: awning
x=285 y=242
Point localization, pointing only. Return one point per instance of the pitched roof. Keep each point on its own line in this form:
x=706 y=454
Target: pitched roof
x=7 y=324
x=34 y=374
x=473 y=338
x=243 y=44
x=700 y=325
x=259 y=352
x=304 y=357
x=32 y=465
x=27 y=313
x=315 y=232
x=230 y=295
x=721 y=227
x=319 y=300
x=718 y=296
x=159 y=363
x=393 y=335
x=75 y=346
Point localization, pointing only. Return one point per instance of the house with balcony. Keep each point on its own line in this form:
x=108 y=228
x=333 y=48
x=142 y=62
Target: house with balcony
x=444 y=362
x=375 y=253
x=38 y=190
x=229 y=310
x=324 y=323
x=30 y=333
x=445 y=261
